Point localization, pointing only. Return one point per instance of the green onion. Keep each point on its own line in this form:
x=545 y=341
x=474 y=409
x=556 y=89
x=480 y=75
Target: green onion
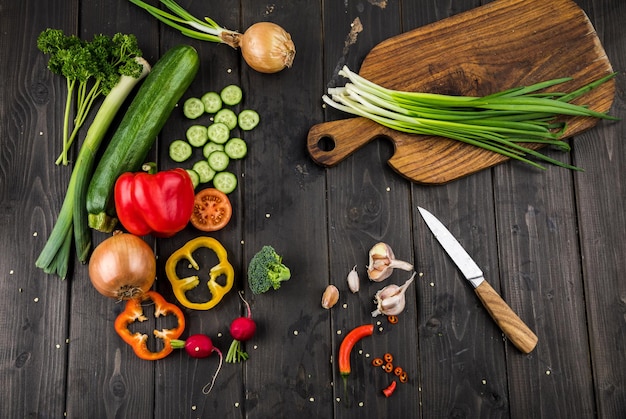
x=499 y=122
x=72 y=220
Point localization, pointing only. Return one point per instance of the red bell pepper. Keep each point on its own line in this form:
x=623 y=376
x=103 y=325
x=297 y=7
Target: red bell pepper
x=154 y=203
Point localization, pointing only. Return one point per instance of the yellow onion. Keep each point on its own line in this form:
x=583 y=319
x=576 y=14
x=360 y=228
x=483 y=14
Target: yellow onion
x=122 y=267
x=267 y=47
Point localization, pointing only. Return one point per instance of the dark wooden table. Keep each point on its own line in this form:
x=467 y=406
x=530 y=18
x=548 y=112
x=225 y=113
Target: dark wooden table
x=552 y=242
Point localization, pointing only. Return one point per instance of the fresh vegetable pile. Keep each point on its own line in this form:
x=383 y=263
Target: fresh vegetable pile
x=125 y=187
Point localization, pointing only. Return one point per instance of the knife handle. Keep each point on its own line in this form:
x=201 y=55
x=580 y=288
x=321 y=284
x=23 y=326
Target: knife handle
x=513 y=327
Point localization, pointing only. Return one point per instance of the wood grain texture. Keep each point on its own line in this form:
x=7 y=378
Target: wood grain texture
x=550 y=242
x=513 y=327
x=501 y=45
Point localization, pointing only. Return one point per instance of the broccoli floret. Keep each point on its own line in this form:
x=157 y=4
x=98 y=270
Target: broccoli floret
x=266 y=271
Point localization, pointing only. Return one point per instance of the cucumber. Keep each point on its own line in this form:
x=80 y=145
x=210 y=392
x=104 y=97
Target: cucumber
x=218 y=132
x=197 y=135
x=180 y=151
x=204 y=171
x=225 y=182
x=212 y=102
x=231 y=95
x=218 y=160
x=211 y=147
x=195 y=177
x=193 y=108
x=137 y=132
x=248 y=119
x=236 y=148
x=226 y=116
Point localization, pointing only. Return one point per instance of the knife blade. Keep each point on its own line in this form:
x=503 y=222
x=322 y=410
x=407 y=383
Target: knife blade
x=513 y=327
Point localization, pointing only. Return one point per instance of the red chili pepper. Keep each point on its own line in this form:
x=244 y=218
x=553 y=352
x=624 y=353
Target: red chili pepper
x=348 y=343
x=390 y=389
x=345 y=349
x=154 y=203
x=138 y=341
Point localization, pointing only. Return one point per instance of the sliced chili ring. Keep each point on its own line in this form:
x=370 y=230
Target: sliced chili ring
x=388 y=367
x=377 y=362
x=212 y=210
x=388 y=357
x=404 y=377
x=397 y=371
x=392 y=319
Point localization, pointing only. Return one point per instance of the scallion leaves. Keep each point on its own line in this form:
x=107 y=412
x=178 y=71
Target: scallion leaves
x=501 y=122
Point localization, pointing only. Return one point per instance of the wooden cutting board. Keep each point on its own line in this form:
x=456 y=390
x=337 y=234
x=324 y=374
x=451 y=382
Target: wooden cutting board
x=504 y=44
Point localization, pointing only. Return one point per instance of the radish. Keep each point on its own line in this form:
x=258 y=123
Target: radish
x=241 y=329
x=200 y=346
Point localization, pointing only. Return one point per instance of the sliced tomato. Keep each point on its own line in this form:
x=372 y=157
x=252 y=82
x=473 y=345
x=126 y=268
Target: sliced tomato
x=212 y=210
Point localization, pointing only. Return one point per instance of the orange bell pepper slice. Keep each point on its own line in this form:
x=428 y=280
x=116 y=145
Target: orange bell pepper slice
x=139 y=341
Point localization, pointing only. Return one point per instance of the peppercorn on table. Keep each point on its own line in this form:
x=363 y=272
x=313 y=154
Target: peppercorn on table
x=550 y=242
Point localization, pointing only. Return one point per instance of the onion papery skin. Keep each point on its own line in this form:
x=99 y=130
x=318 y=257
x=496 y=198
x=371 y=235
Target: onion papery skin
x=267 y=48
x=122 y=267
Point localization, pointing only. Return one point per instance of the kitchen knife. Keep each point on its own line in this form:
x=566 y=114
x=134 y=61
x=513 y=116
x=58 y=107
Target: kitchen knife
x=513 y=327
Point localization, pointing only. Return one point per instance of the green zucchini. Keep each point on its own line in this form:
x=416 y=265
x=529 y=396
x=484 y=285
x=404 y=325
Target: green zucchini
x=161 y=90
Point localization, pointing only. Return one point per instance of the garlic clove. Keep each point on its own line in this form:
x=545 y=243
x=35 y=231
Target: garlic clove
x=354 y=282
x=382 y=262
x=391 y=299
x=330 y=296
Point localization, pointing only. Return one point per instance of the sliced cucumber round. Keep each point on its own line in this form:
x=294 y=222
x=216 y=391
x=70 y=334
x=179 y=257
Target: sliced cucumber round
x=212 y=102
x=180 y=150
x=218 y=160
x=248 y=119
x=236 y=148
x=193 y=108
x=226 y=116
x=211 y=147
x=218 y=132
x=225 y=182
x=204 y=170
x=197 y=135
x=231 y=95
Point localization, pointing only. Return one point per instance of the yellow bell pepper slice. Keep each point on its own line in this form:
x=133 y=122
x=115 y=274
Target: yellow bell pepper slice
x=180 y=286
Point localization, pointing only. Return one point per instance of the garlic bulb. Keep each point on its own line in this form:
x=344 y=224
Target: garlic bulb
x=330 y=296
x=382 y=262
x=354 y=282
x=390 y=300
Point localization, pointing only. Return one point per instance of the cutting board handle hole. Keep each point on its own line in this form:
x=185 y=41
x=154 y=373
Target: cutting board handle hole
x=326 y=143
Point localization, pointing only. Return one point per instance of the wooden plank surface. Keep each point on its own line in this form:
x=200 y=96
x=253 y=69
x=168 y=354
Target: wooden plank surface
x=551 y=242
x=502 y=45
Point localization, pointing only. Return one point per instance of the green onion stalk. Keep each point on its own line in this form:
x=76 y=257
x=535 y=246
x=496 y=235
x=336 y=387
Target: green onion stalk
x=500 y=122
x=72 y=221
